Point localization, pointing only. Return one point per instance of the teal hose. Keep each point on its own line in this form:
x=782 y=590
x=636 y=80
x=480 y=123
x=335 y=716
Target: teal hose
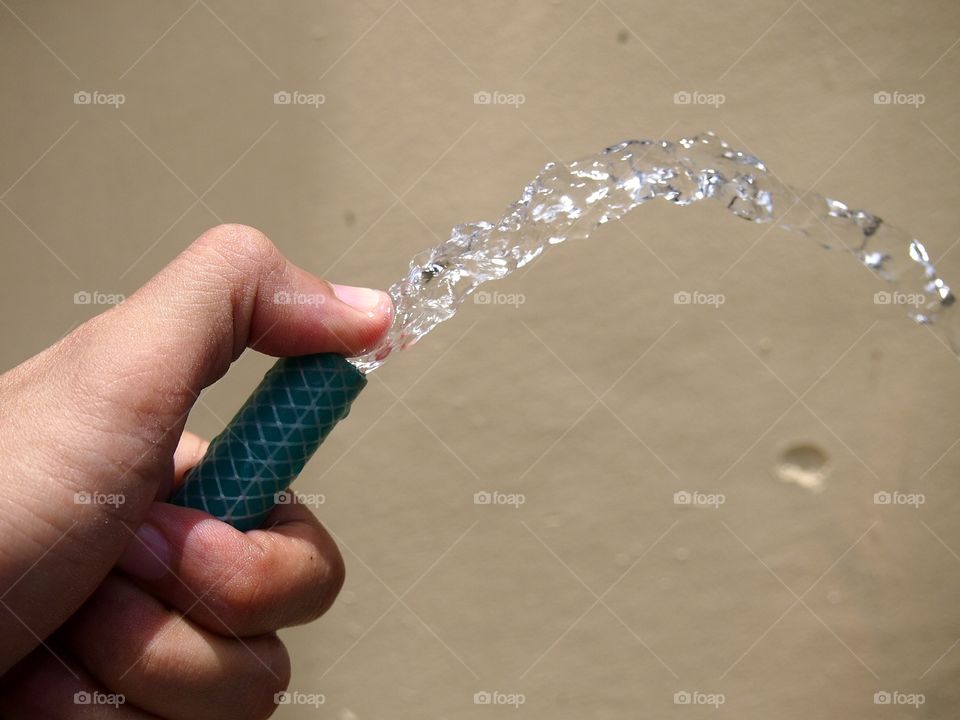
x=271 y=438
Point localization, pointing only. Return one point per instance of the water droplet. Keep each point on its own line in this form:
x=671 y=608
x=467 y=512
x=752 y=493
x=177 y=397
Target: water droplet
x=804 y=465
x=623 y=36
x=681 y=553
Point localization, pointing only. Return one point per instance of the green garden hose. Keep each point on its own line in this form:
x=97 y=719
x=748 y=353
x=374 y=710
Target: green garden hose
x=271 y=438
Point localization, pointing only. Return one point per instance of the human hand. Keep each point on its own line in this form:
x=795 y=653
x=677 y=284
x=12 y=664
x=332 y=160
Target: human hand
x=125 y=594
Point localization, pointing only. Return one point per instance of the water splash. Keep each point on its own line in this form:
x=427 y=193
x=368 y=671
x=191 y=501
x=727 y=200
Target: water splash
x=568 y=202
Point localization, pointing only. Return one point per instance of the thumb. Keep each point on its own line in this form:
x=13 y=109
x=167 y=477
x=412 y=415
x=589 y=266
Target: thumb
x=98 y=415
x=229 y=290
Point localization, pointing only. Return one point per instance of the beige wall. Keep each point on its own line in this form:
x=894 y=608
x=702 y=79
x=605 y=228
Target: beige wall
x=599 y=597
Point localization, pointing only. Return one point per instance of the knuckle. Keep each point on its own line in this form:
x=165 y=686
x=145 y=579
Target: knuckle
x=240 y=246
x=151 y=661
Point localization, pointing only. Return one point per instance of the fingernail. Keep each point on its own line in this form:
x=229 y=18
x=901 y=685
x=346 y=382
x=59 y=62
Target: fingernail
x=148 y=555
x=360 y=298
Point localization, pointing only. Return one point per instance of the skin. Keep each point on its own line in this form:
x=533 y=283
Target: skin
x=166 y=605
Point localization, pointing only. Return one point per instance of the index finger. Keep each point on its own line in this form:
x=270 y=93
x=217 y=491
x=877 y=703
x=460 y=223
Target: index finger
x=235 y=583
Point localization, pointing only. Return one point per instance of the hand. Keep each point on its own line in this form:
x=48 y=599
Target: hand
x=125 y=595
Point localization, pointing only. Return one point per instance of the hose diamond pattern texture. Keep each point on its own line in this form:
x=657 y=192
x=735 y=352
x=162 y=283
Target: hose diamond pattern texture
x=271 y=438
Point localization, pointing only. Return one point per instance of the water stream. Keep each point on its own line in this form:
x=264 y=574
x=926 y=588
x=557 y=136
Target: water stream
x=569 y=201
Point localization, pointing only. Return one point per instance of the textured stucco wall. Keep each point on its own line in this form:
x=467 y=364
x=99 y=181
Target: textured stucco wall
x=597 y=398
